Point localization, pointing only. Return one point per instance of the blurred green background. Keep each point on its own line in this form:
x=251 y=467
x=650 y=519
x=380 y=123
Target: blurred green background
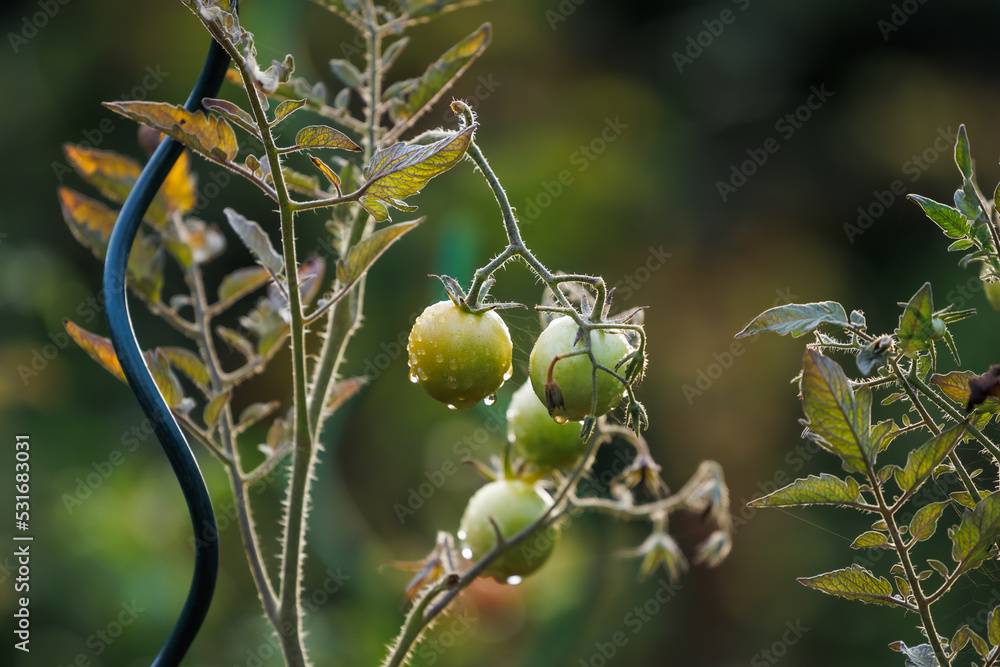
x=896 y=78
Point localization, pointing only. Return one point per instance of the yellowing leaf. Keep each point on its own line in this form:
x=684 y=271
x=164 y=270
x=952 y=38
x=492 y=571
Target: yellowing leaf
x=330 y=174
x=322 y=136
x=113 y=175
x=89 y=220
x=98 y=347
x=364 y=253
x=178 y=190
x=187 y=362
x=396 y=172
x=241 y=282
x=214 y=408
x=210 y=135
x=854 y=583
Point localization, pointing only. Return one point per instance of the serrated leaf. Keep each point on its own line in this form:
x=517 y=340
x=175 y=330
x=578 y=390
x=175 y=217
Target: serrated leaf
x=256 y=240
x=363 y=254
x=812 y=490
x=966 y=635
x=993 y=627
x=964 y=499
x=955 y=385
x=375 y=208
x=209 y=135
x=286 y=108
x=254 y=412
x=925 y=520
x=346 y=72
x=113 y=175
x=241 y=282
x=938 y=567
x=921 y=461
x=950 y=220
x=853 y=583
x=871 y=540
x=797 y=319
x=841 y=418
x=342 y=391
x=98 y=347
x=214 y=408
x=323 y=136
x=963 y=153
x=188 y=363
x=974 y=538
x=229 y=110
x=915 y=326
x=917 y=656
x=440 y=76
x=401 y=170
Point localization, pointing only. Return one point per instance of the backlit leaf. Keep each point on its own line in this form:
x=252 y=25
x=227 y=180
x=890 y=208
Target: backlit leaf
x=214 y=408
x=915 y=327
x=256 y=240
x=363 y=254
x=871 y=539
x=229 y=110
x=841 y=419
x=440 y=76
x=165 y=380
x=330 y=174
x=98 y=347
x=925 y=520
x=921 y=462
x=323 y=136
x=236 y=342
x=209 y=135
x=955 y=385
x=89 y=220
x=797 y=319
x=853 y=583
x=113 y=175
x=346 y=72
x=188 y=363
x=286 y=108
x=342 y=391
x=993 y=627
x=241 y=282
x=974 y=539
x=254 y=412
x=396 y=172
x=963 y=153
x=812 y=490
x=950 y=220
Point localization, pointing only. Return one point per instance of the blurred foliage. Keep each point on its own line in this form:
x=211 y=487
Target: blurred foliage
x=545 y=97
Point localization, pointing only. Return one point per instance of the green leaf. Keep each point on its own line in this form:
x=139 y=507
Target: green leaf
x=924 y=521
x=236 y=342
x=145 y=268
x=973 y=540
x=323 y=136
x=188 y=363
x=853 y=583
x=874 y=354
x=961 y=244
x=950 y=220
x=347 y=73
x=166 y=381
x=871 y=540
x=882 y=434
x=375 y=208
x=257 y=241
x=841 y=419
x=939 y=567
x=209 y=135
x=229 y=110
x=440 y=76
x=241 y=282
x=963 y=153
x=955 y=385
x=392 y=53
x=286 y=108
x=917 y=656
x=797 y=319
x=993 y=627
x=921 y=461
x=915 y=327
x=214 y=408
x=965 y=635
x=401 y=170
x=342 y=391
x=254 y=412
x=363 y=254
x=823 y=490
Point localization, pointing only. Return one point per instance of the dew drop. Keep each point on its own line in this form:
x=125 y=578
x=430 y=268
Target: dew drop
x=490 y=400
x=514 y=580
x=453 y=364
x=462 y=535
x=413 y=378
x=506 y=376
x=451 y=382
x=441 y=320
x=452 y=407
x=420 y=338
x=439 y=358
x=467 y=553
x=560 y=419
x=422 y=374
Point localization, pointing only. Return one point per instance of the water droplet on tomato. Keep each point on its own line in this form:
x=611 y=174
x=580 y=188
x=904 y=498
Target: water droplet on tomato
x=453 y=364
x=514 y=580
x=439 y=358
x=560 y=418
x=506 y=375
x=467 y=553
x=451 y=382
x=461 y=534
x=413 y=378
x=452 y=407
x=490 y=400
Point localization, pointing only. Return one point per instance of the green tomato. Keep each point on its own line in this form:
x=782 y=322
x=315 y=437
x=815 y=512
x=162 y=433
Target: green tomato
x=992 y=289
x=574 y=374
x=937 y=328
x=538 y=438
x=459 y=358
x=514 y=505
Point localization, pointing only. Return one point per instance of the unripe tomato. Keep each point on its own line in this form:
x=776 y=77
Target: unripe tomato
x=459 y=358
x=573 y=374
x=537 y=437
x=938 y=328
x=514 y=505
x=992 y=288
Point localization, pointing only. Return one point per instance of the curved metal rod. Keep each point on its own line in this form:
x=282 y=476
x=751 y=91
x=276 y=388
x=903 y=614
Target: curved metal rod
x=126 y=346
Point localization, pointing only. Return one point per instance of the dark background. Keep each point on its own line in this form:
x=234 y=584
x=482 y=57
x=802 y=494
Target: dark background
x=557 y=80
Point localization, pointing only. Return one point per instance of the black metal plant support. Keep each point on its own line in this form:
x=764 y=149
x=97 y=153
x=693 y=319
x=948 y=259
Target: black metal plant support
x=153 y=405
